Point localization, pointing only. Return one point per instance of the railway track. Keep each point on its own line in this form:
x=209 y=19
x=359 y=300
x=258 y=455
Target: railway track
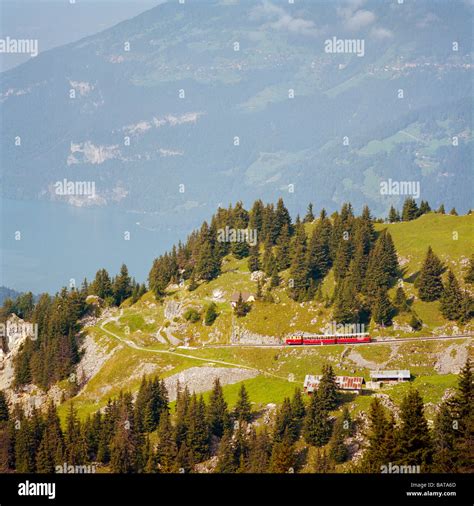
x=374 y=342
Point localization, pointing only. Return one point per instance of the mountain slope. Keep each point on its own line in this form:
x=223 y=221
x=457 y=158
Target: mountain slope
x=152 y=338
x=128 y=130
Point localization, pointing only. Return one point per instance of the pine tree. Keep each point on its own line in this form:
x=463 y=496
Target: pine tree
x=282 y=217
x=309 y=217
x=183 y=400
x=298 y=283
x=462 y=408
x=208 y=264
x=256 y=217
x=400 y=301
x=327 y=390
x=414 y=445
x=415 y=322
x=44 y=460
x=92 y=433
x=451 y=299
x=444 y=438
x=217 y=413
x=283 y=455
x=298 y=411
x=469 y=277
x=24 y=457
x=102 y=285
x=226 y=455
x=254 y=258
x=260 y=449
x=441 y=209
x=268 y=259
x=466 y=312
x=241 y=308
x=282 y=251
x=166 y=450
x=240 y=219
x=382 y=267
x=393 y=215
x=381 y=308
x=284 y=422
x=275 y=279
x=4 y=413
x=319 y=260
x=410 y=210
x=317 y=426
x=338 y=451
x=429 y=284
x=424 y=207
x=192 y=283
x=198 y=434
x=74 y=443
x=211 y=314
x=270 y=228
x=243 y=407
x=347 y=305
x=50 y=451
x=320 y=462
x=358 y=266
x=365 y=225
x=151 y=402
x=380 y=445
x=241 y=449
x=343 y=259
x=22 y=365
x=185 y=459
x=143 y=419
x=122 y=288
x=123 y=457
x=453 y=212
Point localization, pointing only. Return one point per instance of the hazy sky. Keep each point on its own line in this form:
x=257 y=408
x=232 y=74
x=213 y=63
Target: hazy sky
x=58 y=22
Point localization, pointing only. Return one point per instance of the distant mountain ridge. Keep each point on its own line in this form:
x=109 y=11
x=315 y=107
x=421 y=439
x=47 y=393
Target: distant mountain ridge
x=7 y=293
x=178 y=109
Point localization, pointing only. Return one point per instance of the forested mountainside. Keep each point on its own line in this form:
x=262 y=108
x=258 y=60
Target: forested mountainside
x=192 y=371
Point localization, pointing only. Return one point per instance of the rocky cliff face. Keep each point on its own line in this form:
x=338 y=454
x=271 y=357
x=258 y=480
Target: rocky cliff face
x=243 y=336
x=13 y=333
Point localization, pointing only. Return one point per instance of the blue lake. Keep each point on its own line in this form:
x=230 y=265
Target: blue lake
x=46 y=244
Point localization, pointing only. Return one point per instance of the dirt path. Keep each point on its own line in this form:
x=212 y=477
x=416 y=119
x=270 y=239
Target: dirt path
x=135 y=346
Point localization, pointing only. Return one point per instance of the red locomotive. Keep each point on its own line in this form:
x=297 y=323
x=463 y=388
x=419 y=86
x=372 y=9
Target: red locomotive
x=323 y=339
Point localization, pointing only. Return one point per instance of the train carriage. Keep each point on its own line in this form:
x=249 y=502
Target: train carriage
x=326 y=339
x=294 y=340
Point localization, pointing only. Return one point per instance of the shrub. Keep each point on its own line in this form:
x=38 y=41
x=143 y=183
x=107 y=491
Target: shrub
x=211 y=314
x=192 y=315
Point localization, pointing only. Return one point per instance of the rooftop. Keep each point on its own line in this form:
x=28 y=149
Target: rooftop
x=245 y=296
x=343 y=382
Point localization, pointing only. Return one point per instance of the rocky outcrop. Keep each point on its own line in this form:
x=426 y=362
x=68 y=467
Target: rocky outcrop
x=93 y=358
x=15 y=332
x=201 y=379
x=452 y=359
x=244 y=336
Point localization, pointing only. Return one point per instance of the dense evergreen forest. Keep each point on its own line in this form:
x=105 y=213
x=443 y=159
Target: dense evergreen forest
x=364 y=264
x=145 y=436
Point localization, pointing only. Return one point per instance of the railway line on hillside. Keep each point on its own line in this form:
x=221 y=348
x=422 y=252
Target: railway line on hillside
x=135 y=346
x=373 y=342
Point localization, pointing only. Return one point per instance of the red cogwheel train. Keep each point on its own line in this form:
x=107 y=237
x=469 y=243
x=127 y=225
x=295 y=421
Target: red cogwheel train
x=323 y=339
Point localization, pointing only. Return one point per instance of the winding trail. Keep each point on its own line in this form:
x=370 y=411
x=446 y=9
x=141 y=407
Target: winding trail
x=135 y=346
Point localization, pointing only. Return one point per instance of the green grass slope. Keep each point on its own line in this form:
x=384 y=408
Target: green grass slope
x=149 y=338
